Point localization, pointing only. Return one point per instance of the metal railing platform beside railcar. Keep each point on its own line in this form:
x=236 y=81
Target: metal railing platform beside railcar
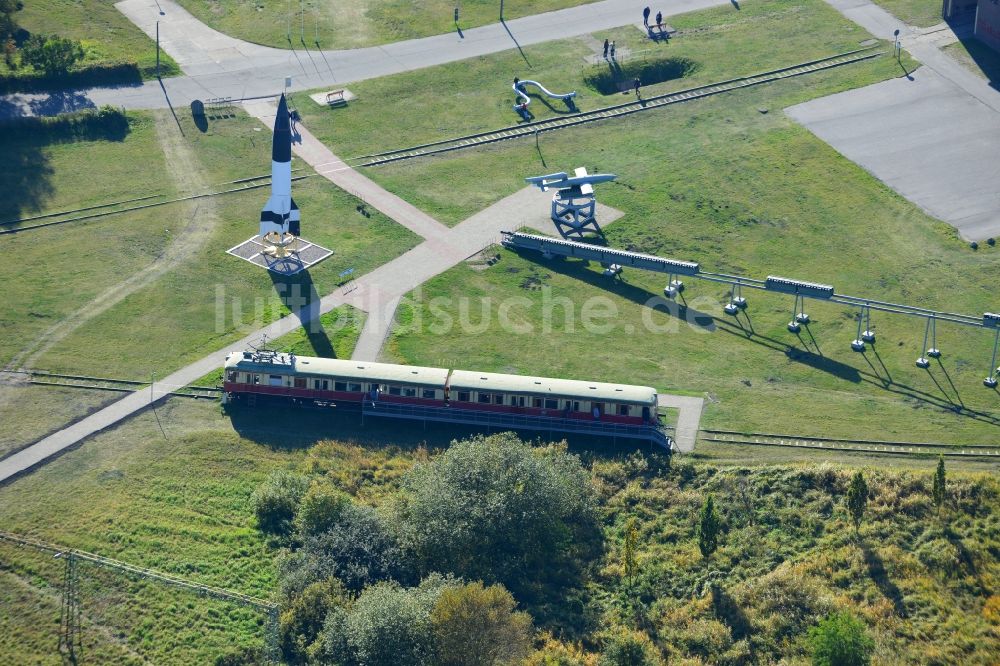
x=503 y=421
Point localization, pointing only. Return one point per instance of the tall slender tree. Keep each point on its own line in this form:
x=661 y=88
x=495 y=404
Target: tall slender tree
x=708 y=528
x=940 y=489
x=857 y=499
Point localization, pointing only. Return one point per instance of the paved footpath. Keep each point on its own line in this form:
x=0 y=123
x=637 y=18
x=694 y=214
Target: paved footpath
x=377 y=293
x=688 y=419
x=216 y=65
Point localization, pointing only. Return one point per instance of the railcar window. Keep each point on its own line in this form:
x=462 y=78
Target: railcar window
x=409 y=392
x=300 y=382
x=231 y=375
x=429 y=394
x=323 y=384
x=576 y=406
x=622 y=410
x=498 y=398
x=351 y=386
x=484 y=397
x=340 y=386
x=395 y=390
x=517 y=400
x=536 y=402
x=464 y=396
x=256 y=379
x=551 y=404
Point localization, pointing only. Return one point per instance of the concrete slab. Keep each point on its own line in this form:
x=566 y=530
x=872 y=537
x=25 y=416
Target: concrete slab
x=303 y=254
x=320 y=97
x=927 y=138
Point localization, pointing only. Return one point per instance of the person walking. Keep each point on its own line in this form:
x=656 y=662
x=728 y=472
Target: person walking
x=605 y=49
x=645 y=17
x=637 y=84
x=659 y=19
x=612 y=50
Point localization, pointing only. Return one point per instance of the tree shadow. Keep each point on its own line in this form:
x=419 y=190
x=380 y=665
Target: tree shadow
x=730 y=613
x=879 y=576
x=25 y=182
x=298 y=293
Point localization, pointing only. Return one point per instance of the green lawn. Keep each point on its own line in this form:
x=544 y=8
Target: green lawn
x=408 y=109
x=180 y=505
x=742 y=191
x=107 y=36
x=919 y=13
x=206 y=298
x=349 y=24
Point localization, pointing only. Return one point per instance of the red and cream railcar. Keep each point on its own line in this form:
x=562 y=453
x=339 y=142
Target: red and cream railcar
x=326 y=380
x=558 y=398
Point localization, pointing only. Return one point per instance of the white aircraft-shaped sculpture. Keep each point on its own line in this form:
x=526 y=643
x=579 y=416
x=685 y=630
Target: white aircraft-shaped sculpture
x=573 y=204
x=581 y=181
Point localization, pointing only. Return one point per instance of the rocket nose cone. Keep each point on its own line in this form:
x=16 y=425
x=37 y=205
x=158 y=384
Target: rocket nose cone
x=281 y=146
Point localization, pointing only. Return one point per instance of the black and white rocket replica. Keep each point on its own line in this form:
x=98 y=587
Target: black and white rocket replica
x=280 y=220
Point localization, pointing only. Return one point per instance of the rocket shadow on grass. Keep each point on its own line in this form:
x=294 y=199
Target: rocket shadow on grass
x=298 y=294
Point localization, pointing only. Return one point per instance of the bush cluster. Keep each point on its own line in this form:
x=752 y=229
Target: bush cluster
x=362 y=586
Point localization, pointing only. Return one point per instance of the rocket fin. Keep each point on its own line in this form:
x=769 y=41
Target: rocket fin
x=294 y=220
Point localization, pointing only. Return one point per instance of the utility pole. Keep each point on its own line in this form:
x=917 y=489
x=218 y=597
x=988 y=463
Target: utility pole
x=501 y=11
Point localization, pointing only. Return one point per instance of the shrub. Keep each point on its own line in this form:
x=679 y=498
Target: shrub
x=389 y=625
x=840 y=640
x=302 y=620
x=358 y=550
x=51 y=54
x=478 y=626
x=496 y=509
x=628 y=648
x=319 y=509
x=276 y=500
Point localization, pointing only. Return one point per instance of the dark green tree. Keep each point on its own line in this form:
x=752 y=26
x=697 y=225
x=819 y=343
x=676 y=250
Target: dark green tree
x=302 y=619
x=940 y=489
x=497 y=509
x=708 y=528
x=8 y=24
x=51 y=54
x=857 y=499
x=358 y=550
x=840 y=640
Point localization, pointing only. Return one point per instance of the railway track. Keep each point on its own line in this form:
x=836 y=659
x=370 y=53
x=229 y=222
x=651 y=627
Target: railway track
x=615 y=111
x=879 y=447
x=43 y=378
